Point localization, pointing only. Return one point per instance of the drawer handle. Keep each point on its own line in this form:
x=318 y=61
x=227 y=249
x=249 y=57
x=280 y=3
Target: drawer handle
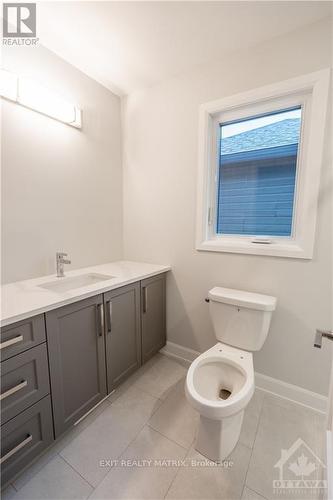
x=101 y=326
x=11 y=391
x=16 y=449
x=10 y=342
x=145 y=299
x=109 y=309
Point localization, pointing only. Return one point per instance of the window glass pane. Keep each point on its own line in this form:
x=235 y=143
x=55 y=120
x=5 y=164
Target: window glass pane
x=257 y=173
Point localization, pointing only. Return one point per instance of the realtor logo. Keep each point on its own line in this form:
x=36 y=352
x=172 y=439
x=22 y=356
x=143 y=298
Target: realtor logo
x=19 y=20
x=299 y=469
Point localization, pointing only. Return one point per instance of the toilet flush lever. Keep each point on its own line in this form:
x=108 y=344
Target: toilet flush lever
x=319 y=337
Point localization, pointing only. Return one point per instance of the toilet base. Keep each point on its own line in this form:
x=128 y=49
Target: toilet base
x=217 y=438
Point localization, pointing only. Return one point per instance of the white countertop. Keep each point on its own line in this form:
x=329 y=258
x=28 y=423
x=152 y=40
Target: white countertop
x=24 y=299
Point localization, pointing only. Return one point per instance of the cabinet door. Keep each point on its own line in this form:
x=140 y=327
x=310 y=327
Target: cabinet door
x=75 y=335
x=123 y=345
x=153 y=316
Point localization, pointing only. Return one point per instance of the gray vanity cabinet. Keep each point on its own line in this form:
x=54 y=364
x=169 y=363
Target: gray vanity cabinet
x=122 y=333
x=153 y=324
x=57 y=366
x=75 y=337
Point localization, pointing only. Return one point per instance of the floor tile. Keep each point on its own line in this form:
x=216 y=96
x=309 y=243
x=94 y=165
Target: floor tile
x=8 y=493
x=175 y=418
x=160 y=376
x=56 y=481
x=35 y=467
x=251 y=495
x=143 y=482
x=27 y=474
x=202 y=479
x=251 y=419
x=109 y=434
x=279 y=428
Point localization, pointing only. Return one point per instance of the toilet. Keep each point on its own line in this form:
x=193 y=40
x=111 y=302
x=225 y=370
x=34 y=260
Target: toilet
x=220 y=382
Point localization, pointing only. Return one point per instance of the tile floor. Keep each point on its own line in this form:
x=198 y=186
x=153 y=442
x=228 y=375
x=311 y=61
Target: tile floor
x=139 y=444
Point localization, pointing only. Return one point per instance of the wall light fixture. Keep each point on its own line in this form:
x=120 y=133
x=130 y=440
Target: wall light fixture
x=32 y=95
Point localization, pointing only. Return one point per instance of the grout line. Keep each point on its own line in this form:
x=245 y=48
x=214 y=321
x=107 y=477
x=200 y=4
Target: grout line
x=13 y=485
x=120 y=455
x=77 y=472
x=167 y=437
x=175 y=476
x=254 y=491
x=255 y=437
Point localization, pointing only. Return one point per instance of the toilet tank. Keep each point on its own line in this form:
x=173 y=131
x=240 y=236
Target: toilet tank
x=241 y=319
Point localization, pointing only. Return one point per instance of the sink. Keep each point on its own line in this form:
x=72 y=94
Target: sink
x=67 y=284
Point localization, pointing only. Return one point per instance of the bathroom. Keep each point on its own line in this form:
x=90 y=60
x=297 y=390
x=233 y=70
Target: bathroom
x=167 y=310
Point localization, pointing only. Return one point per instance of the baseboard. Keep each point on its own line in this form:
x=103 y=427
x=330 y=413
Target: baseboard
x=177 y=351
x=275 y=386
x=329 y=466
x=292 y=392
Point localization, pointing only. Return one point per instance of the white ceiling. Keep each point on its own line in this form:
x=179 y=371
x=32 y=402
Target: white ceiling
x=130 y=45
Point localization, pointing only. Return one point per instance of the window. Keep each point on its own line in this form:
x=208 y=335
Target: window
x=259 y=169
x=257 y=174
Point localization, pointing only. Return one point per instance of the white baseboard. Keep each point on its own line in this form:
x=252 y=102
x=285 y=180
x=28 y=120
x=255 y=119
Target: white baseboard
x=329 y=466
x=292 y=392
x=177 y=351
x=272 y=385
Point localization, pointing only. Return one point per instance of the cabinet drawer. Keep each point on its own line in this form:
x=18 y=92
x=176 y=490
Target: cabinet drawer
x=24 y=437
x=24 y=381
x=21 y=336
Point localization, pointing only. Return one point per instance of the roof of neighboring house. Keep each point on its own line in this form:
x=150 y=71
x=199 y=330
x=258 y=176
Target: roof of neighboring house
x=276 y=134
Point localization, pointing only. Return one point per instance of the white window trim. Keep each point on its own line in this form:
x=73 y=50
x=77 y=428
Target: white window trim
x=311 y=91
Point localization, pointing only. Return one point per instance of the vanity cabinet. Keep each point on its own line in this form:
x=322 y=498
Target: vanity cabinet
x=153 y=324
x=122 y=333
x=57 y=366
x=75 y=337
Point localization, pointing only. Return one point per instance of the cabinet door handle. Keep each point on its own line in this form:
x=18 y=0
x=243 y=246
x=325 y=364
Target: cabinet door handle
x=109 y=309
x=16 y=449
x=101 y=320
x=12 y=341
x=145 y=299
x=11 y=391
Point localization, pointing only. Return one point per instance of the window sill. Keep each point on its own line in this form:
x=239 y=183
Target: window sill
x=290 y=248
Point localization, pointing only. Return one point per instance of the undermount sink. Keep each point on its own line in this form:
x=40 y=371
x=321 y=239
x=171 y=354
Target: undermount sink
x=67 y=284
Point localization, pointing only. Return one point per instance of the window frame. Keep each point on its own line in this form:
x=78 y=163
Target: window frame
x=311 y=93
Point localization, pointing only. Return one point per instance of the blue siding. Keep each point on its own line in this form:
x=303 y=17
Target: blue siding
x=255 y=195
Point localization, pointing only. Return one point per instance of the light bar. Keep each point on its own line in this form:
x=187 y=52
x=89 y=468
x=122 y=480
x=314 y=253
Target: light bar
x=30 y=94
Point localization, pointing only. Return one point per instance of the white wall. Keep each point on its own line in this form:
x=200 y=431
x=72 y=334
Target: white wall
x=61 y=187
x=161 y=127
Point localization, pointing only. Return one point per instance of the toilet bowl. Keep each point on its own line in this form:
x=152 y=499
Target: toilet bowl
x=219 y=385
x=220 y=382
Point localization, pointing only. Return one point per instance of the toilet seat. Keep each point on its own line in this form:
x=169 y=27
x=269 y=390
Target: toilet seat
x=221 y=367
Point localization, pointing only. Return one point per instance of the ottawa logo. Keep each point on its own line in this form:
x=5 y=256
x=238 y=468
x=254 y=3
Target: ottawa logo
x=300 y=469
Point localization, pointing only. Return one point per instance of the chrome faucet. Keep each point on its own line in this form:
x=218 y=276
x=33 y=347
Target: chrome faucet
x=60 y=263
x=319 y=336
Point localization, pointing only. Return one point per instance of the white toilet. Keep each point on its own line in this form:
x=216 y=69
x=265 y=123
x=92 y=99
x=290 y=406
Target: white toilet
x=220 y=382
